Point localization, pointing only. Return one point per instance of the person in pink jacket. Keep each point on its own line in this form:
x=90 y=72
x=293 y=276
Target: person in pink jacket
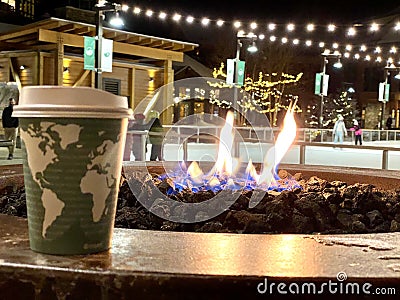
x=357 y=132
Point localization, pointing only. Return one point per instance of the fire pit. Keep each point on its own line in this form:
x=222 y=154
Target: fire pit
x=225 y=197
x=329 y=200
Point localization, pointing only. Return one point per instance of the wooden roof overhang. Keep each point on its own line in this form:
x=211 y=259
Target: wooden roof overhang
x=46 y=34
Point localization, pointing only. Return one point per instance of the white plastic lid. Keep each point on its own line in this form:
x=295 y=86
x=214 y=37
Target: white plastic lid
x=70 y=102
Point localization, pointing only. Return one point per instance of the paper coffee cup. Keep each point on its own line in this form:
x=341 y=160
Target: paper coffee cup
x=72 y=141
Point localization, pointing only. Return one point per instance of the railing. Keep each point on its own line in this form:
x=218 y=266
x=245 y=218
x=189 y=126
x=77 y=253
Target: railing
x=183 y=138
x=303 y=134
x=384 y=151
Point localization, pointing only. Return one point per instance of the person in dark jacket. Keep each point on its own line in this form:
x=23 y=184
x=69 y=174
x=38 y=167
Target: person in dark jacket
x=10 y=125
x=138 y=139
x=156 y=139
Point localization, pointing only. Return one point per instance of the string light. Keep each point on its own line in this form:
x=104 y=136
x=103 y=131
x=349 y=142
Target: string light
x=309 y=28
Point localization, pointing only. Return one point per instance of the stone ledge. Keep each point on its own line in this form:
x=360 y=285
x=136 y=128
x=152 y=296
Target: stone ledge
x=178 y=265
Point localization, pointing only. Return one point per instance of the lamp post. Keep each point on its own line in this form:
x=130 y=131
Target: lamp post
x=100 y=8
x=385 y=98
x=338 y=65
x=238 y=66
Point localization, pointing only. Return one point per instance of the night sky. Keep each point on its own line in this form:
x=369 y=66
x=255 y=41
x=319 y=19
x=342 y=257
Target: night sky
x=311 y=10
x=319 y=12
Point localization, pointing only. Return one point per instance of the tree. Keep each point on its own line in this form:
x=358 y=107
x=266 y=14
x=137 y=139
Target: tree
x=341 y=102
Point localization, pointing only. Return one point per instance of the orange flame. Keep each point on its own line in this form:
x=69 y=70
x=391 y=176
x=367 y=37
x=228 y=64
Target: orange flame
x=196 y=174
x=224 y=159
x=283 y=142
x=251 y=170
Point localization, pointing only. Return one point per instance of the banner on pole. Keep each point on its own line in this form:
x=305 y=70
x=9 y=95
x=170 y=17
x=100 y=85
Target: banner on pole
x=230 y=71
x=325 y=84
x=387 y=92
x=106 y=55
x=240 y=72
x=318 y=79
x=89 y=53
x=383 y=92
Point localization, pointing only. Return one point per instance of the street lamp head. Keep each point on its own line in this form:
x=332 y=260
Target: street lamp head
x=351 y=90
x=116 y=21
x=397 y=76
x=252 y=48
x=338 y=64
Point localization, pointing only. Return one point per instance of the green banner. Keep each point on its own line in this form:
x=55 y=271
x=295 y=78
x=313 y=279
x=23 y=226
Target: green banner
x=89 y=53
x=318 y=80
x=387 y=92
x=240 y=72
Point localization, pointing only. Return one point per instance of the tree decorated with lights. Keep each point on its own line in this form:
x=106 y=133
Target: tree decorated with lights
x=269 y=94
x=339 y=103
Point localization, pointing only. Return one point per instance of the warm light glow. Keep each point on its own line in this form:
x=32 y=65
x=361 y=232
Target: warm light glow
x=224 y=158
x=308 y=43
x=378 y=50
x=271 y=26
x=335 y=45
x=125 y=8
x=374 y=27
x=220 y=23
x=349 y=47
x=368 y=58
x=363 y=48
x=326 y=52
x=253 y=25
x=357 y=56
x=351 y=31
x=205 y=21
x=177 y=17
x=290 y=27
x=261 y=36
x=149 y=12
x=321 y=44
x=296 y=41
x=237 y=24
x=272 y=38
x=347 y=54
x=310 y=27
x=162 y=15
x=393 y=49
x=331 y=27
x=284 y=40
x=379 y=59
x=397 y=27
x=137 y=10
x=240 y=33
x=190 y=19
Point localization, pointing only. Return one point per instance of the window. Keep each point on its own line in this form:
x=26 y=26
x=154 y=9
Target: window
x=112 y=85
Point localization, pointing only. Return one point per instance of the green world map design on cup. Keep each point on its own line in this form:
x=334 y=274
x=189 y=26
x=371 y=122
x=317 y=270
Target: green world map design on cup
x=73 y=140
x=72 y=174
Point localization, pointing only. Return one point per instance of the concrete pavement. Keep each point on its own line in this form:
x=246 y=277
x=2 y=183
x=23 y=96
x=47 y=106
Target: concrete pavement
x=4 y=154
